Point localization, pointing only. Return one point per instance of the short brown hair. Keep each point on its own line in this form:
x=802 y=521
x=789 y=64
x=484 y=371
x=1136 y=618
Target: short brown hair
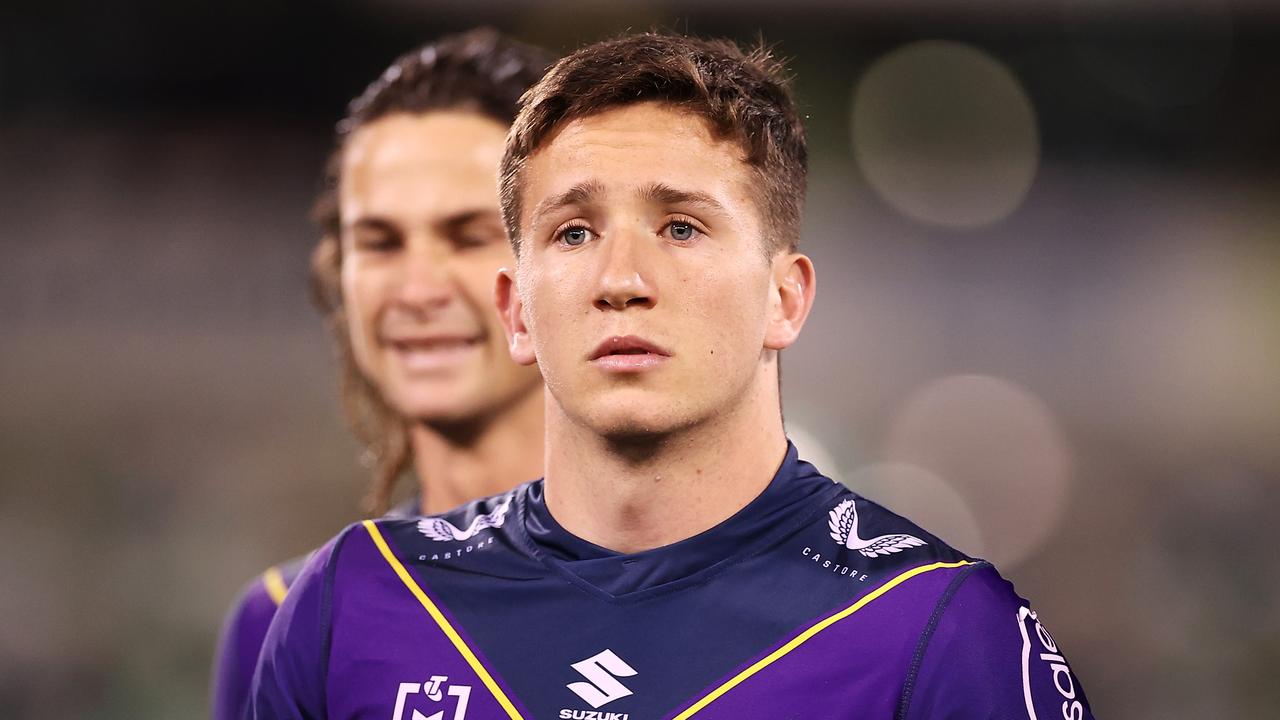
x=479 y=71
x=745 y=96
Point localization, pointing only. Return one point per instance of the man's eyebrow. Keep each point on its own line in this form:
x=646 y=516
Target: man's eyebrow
x=579 y=194
x=667 y=195
x=451 y=221
x=372 y=222
x=461 y=219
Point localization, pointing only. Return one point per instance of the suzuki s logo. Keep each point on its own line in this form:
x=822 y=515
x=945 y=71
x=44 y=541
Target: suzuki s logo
x=442 y=530
x=602 y=670
x=435 y=691
x=844 y=530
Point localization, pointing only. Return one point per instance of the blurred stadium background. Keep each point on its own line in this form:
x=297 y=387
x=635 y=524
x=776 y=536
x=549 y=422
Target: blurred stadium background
x=1048 y=241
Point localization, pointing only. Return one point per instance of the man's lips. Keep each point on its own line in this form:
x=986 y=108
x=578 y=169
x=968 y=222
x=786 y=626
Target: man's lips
x=430 y=342
x=628 y=353
x=627 y=345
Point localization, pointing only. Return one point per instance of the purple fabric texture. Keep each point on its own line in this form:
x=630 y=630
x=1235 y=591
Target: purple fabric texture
x=990 y=657
x=238 y=647
x=852 y=669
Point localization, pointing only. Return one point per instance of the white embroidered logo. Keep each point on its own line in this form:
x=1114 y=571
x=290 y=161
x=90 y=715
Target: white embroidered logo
x=844 y=530
x=444 y=531
x=600 y=669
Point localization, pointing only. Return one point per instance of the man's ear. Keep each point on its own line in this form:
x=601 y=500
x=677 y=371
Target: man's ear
x=791 y=298
x=511 y=311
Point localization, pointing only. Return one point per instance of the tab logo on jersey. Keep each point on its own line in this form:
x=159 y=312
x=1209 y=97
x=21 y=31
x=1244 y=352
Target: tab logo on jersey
x=434 y=690
x=1043 y=665
x=844 y=530
x=442 y=530
x=602 y=670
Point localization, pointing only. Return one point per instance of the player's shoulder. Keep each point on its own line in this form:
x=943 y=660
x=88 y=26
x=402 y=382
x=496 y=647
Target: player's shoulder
x=367 y=547
x=457 y=525
x=986 y=650
x=468 y=536
x=259 y=598
x=465 y=521
x=277 y=579
x=977 y=602
x=874 y=530
x=890 y=549
x=856 y=551
x=864 y=528
x=244 y=631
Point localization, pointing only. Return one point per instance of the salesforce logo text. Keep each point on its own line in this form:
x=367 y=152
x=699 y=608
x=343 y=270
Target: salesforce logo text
x=1034 y=674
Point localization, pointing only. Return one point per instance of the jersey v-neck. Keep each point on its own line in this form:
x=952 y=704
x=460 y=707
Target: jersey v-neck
x=795 y=494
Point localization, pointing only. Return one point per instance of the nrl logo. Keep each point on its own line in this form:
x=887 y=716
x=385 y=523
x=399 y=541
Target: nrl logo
x=444 y=531
x=844 y=530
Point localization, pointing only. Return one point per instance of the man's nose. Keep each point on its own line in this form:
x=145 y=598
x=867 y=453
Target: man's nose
x=426 y=280
x=626 y=272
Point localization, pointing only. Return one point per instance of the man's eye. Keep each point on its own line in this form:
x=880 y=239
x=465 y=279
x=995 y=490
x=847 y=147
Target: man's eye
x=477 y=235
x=380 y=242
x=470 y=240
x=682 y=231
x=575 y=236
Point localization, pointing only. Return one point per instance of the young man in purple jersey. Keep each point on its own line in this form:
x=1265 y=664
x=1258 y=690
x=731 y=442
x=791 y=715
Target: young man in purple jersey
x=412 y=237
x=678 y=560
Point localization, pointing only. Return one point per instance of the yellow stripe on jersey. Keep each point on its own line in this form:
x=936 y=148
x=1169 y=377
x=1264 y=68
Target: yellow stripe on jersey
x=273 y=581
x=809 y=633
x=442 y=621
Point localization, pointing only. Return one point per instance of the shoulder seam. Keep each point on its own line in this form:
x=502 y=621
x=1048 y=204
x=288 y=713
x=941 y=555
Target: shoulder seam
x=326 y=613
x=926 y=635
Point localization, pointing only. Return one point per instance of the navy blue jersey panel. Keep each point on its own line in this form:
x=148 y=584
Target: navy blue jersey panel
x=680 y=617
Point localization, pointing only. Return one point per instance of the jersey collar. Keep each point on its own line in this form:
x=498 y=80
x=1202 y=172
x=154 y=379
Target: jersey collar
x=795 y=493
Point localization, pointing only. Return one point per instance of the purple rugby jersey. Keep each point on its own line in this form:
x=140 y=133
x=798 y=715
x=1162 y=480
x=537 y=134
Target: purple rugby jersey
x=811 y=602
x=242 y=634
x=246 y=625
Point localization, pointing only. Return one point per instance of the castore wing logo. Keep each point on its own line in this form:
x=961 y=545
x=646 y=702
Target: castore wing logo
x=844 y=530
x=444 y=531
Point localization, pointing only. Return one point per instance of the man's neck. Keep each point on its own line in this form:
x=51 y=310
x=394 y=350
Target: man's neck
x=630 y=497
x=486 y=458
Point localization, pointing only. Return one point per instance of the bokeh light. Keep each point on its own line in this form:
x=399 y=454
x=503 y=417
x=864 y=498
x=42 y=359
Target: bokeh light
x=999 y=446
x=945 y=134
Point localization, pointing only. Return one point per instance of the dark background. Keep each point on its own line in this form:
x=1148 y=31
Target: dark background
x=1048 y=245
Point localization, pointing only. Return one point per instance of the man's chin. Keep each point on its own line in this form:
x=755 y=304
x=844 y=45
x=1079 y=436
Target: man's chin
x=437 y=410
x=637 y=427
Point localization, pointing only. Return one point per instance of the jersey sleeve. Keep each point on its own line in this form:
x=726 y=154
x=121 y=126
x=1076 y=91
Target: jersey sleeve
x=242 y=634
x=985 y=654
x=289 y=681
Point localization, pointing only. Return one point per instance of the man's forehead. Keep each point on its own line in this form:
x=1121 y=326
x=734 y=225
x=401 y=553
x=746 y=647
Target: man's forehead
x=409 y=158
x=636 y=125
x=405 y=147
x=421 y=167
x=649 y=150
